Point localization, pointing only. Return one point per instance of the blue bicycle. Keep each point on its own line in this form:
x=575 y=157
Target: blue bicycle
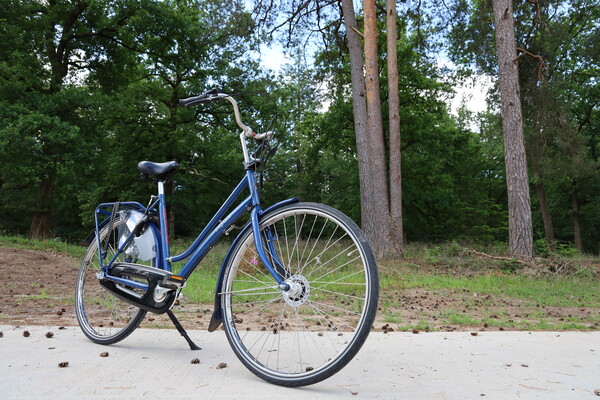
x=297 y=291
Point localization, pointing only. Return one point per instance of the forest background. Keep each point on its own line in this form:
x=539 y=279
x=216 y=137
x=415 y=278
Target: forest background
x=90 y=88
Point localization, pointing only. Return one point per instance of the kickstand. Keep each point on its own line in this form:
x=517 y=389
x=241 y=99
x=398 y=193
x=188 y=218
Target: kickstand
x=182 y=331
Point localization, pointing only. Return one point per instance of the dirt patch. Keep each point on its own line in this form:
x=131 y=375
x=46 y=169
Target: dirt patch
x=38 y=289
x=451 y=310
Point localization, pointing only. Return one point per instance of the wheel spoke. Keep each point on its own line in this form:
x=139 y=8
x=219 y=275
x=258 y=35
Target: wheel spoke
x=317 y=325
x=336 y=269
x=328 y=317
x=340 y=294
x=322 y=265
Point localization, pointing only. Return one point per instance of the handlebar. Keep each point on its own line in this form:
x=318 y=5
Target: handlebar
x=214 y=95
x=206 y=97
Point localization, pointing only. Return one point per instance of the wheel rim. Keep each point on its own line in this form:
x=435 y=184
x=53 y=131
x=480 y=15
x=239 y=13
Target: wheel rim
x=298 y=333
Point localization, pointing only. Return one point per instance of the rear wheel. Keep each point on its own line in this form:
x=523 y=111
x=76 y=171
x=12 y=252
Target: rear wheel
x=104 y=318
x=308 y=333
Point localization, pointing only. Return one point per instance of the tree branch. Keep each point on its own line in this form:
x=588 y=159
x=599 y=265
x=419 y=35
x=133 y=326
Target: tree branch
x=541 y=65
x=359 y=33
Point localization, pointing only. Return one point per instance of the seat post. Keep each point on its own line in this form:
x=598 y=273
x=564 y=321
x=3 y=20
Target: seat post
x=164 y=229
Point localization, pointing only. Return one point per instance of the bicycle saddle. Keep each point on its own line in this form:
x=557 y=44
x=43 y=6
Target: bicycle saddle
x=162 y=171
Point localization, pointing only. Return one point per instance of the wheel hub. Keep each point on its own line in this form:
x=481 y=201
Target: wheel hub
x=299 y=290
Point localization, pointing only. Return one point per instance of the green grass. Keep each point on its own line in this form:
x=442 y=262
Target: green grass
x=422 y=325
x=391 y=318
x=532 y=321
x=43 y=295
x=458 y=318
x=550 y=291
x=49 y=244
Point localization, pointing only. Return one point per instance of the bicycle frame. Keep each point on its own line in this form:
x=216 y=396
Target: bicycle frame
x=219 y=225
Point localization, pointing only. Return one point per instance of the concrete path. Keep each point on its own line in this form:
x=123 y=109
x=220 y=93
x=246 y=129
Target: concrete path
x=156 y=364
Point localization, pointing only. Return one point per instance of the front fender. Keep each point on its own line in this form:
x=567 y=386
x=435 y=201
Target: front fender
x=217 y=317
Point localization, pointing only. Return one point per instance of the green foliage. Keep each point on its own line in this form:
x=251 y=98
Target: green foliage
x=558 y=69
x=450 y=188
x=432 y=255
x=89 y=89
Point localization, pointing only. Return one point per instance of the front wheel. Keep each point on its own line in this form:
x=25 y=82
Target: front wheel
x=308 y=333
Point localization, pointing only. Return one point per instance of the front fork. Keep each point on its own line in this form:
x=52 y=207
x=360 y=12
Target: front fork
x=268 y=256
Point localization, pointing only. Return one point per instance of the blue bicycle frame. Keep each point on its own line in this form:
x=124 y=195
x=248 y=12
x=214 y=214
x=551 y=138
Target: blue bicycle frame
x=214 y=230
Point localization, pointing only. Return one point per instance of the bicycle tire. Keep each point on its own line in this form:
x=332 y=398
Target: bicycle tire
x=104 y=318
x=305 y=335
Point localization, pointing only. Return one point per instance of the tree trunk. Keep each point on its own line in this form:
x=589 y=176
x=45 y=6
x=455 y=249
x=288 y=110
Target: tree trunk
x=377 y=221
x=519 y=203
x=575 y=218
x=41 y=224
x=396 y=229
x=359 y=107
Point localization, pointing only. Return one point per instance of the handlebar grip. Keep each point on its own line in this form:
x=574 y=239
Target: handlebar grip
x=190 y=101
x=206 y=97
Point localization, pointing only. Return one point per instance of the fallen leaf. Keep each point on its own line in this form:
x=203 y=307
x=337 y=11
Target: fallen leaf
x=63 y=364
x=104 y=354
x=222 y=365
x=195 y=361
